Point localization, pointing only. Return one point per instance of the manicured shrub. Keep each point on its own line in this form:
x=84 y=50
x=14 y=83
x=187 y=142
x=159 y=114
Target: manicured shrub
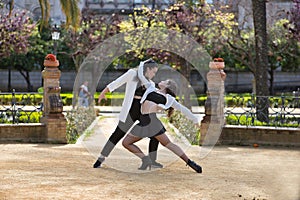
x=186 y=127
x=247 y=120
x=29 y=117
x=78 y=120
x=20 y=117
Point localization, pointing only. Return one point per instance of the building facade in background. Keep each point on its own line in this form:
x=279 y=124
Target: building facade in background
x=242 y=8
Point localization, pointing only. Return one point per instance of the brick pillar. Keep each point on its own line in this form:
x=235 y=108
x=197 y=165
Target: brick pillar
x=52 y=116
x=213 y=121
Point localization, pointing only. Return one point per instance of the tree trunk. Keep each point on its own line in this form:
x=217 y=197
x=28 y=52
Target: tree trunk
x=26 y=76
x=261 y=49
x=271 y=90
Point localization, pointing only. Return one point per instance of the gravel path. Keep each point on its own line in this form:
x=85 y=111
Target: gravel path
x=46 y=171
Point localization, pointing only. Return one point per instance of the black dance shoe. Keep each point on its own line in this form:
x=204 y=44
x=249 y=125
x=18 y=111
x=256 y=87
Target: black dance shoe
x=98 y=162
x=146 y=162
x=194 y=166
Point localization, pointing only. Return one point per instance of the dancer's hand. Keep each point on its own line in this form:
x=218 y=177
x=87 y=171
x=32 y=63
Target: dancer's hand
x=102 y=95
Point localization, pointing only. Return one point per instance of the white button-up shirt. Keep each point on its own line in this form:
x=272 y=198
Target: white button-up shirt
x=131 y=80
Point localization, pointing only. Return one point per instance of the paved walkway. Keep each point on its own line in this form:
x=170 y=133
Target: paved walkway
x=46 y=171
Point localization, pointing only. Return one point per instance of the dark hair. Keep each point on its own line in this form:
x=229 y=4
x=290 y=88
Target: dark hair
x=171 y=90
x=150 y=64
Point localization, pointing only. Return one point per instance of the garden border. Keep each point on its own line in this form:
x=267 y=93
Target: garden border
x=260 y=135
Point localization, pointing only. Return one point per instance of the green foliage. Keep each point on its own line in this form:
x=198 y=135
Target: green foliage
x=241 y=120
x=112 y=99
x=186 y=127
x=283 y=48
x=22 y=47
x=201 y=100
x=115 y=99
x=247 y=100
x=205 y=25
x=33 y=99
x=29 y=117
x=20 y=117
x=248 y=120
x=236 y=101
x=93 y=30
x=78 y=120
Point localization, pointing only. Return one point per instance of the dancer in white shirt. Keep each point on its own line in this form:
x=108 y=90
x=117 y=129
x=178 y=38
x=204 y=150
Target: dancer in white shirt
x=130 y=111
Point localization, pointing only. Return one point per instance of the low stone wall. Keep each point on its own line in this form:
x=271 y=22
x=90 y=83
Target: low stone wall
x=31 y=132
x=241 y=135
x=231 y=135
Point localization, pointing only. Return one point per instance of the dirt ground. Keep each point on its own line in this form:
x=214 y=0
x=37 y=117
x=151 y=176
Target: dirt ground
x=45 y=171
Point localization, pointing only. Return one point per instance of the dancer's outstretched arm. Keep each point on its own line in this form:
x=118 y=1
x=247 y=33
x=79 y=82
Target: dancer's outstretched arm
x=172 y=102
x=126 y=77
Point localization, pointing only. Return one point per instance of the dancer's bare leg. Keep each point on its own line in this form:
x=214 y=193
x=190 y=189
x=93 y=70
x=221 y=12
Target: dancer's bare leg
x=165 y=141
x=128 y=143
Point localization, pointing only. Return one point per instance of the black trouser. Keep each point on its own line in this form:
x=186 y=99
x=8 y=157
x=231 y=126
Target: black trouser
x=123 y=127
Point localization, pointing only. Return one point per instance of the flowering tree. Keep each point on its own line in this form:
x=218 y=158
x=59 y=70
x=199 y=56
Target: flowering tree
x=15 y=32
x=14 y=42
x=201 y=22
x=94 y=29
x=206 y=25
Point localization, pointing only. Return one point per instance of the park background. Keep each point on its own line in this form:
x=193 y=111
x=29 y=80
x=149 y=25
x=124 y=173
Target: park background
x=224 y=28
x=259 y=41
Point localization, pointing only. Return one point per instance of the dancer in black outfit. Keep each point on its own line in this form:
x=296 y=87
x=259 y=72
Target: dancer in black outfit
x=151 y=126
x=129 y=114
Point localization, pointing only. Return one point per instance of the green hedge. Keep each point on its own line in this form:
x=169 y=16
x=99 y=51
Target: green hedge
x=33 y=99
x=20 y=117
x=251 y=121
x=246 y=100
x=111 y=99
x=78 y=120
x=116 y=98
x=186 y=127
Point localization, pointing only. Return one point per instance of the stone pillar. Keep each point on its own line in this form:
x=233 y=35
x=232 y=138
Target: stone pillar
x=213 y=121
x=52 y=112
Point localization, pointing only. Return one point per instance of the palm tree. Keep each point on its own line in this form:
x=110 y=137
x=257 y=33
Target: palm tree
x=69 y=7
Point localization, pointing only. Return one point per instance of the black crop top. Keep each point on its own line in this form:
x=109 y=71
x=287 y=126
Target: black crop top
x=156 y=98
x=152 y=96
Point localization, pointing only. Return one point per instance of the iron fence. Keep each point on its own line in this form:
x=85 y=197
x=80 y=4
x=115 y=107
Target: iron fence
x=275 y=111
x=18 y=107
x=278 y=111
